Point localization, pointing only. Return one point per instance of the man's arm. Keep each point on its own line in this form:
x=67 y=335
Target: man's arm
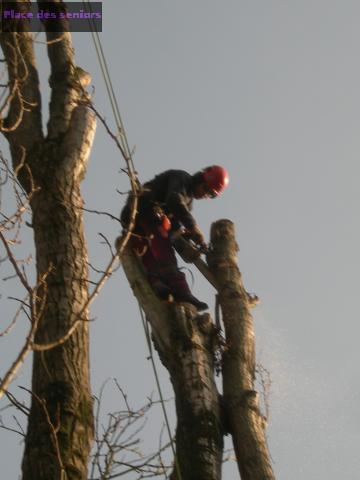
x=178 y=200
x=179 y=203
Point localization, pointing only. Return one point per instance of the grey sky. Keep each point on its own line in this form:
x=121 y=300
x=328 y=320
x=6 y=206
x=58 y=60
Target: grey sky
x=269 y=89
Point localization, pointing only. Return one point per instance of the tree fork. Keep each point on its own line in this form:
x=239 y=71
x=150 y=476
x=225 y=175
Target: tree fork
x=240 y=399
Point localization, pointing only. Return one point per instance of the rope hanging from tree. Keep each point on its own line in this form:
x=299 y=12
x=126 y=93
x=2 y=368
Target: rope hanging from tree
x=133 y=179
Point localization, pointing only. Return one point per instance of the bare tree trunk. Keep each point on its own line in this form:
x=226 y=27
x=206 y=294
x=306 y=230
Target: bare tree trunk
x=240 y=399
x=185 y=342
x=60 y=428
x=61 y=374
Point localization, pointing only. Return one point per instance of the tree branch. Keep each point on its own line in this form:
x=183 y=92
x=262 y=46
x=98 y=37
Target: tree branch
x=241 y=401
x=23 y=124
x=65 y=89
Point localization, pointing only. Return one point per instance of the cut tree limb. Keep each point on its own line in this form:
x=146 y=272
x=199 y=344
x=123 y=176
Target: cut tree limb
x=241 y=401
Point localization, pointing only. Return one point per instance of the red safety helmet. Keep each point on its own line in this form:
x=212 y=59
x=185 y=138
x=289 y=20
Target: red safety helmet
x=216 y=179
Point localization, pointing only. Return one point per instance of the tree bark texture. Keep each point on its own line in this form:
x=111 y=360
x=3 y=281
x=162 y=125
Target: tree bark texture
x=61 y=374
x=240 y=399
x=60 y=428
x=185 y=342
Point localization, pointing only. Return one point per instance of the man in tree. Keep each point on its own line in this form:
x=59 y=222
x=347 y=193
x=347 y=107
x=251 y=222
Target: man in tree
x=164 y=207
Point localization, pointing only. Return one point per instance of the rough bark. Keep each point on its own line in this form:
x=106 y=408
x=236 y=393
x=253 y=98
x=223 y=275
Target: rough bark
x=60 y=428
x=185 y=342
x=240 y=399
x=61 y=374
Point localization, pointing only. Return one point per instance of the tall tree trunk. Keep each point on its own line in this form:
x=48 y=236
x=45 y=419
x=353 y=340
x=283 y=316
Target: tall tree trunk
x=60 y=428
x=61 y=374
x=185 y=342
x=240 y=399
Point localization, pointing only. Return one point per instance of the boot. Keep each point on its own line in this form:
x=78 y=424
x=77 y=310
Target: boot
x=180 y=289
x=189 y=298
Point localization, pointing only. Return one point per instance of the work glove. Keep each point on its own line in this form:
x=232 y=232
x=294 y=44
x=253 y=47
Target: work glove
x=197 y=236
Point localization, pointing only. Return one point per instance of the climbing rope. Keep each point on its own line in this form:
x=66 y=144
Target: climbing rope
x=125 y=145
x=162 y=401
x=109 y=86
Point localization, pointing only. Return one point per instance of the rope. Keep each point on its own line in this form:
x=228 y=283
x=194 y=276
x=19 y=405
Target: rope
x=162 y=401
x=125 y=144
x=109 y=86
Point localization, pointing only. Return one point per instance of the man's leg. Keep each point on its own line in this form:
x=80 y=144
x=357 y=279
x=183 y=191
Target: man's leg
x=180 y=288
x=164 y=272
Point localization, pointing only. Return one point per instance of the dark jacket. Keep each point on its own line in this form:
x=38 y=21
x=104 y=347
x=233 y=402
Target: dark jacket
x=170 y=191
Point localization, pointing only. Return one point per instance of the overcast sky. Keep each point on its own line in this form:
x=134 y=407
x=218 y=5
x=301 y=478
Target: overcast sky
x=271 y=90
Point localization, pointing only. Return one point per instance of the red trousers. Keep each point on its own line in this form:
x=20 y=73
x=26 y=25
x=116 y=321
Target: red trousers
x=159 y=260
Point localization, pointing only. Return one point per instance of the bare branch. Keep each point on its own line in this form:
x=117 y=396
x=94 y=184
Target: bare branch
x=13 y=262
x=18 y=405
x=11 y=373
x=23 y=199
x=117 y=450
x=10 y=429
x=14 y=320
x=53 y=432
x=97 y=212
x=78 y=318
x=35 y=316
x=134 y=183
x=106 y=242
x=23 y=124
x=108 y=130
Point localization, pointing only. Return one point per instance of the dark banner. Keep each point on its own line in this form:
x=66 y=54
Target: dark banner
x=57 y=17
